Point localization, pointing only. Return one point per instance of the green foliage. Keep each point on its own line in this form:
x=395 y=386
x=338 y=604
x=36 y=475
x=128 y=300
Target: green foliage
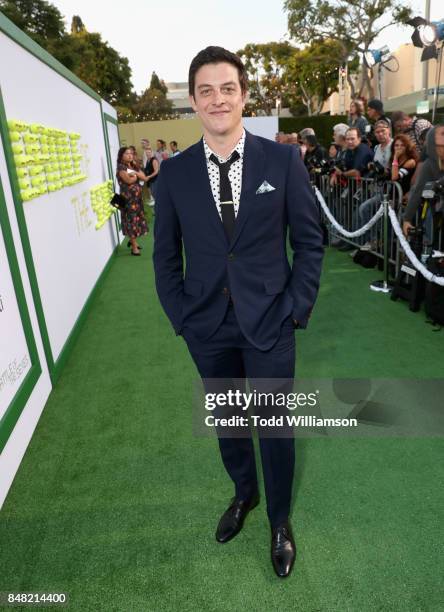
x=353 y=24
x=77 y=25
x=157 y=84
x=312 y=74
x=85 y=53
x=302 y=78
x=322 y=125
x=265 y=65
x=41 y=20
x=153 y=104
x=100 y=66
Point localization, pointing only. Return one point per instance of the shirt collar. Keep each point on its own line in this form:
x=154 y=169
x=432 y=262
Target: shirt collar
x=239 y=148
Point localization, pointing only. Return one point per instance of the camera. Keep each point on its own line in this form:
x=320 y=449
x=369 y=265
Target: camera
x=377 y=172
x=433 y=189
x=340 y=165
x=322 y=166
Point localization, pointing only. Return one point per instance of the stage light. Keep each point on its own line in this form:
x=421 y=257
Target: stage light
x=380 y=58
x=376 y=56
x=426 y=36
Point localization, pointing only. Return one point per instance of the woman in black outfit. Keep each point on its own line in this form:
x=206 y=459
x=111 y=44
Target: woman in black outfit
x=403 y=162
x=151 y=172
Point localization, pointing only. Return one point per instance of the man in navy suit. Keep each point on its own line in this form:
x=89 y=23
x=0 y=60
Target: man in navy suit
x=230 y=200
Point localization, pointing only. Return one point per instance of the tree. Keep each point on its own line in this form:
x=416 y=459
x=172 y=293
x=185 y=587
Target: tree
x=44 y=23
x=265 y=65
x=153 y=104
x=312 y=74
x=41 y=20
x=91 y=59
x=77 y=26
x=99 y=65
x=156 y=83
x=354 y=24
x=297 y=78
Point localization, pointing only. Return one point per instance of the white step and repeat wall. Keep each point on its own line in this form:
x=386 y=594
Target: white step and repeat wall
x=112 y=132
x=267 y=127
x=15 y=360
x=55 y=171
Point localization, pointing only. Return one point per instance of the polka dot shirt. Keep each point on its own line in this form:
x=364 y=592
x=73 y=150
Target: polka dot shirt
x=234 y=174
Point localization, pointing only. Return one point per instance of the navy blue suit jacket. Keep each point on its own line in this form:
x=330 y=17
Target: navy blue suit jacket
x=254 y=265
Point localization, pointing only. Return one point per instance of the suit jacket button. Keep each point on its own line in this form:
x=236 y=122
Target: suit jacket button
x=230 y=255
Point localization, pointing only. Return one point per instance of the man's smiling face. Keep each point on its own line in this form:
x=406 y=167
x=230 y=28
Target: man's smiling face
x=218 y=98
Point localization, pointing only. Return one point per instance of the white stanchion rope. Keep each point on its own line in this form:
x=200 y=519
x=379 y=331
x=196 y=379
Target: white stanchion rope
x=439 y=280
x=339 y=227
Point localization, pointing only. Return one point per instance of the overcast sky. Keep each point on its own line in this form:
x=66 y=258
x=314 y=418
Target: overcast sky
x=164 y=35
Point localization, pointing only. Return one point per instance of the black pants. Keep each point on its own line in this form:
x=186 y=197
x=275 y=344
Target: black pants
x=229 y=355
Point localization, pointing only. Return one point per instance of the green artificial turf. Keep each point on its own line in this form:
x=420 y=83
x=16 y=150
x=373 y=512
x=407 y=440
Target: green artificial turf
x=116 y=501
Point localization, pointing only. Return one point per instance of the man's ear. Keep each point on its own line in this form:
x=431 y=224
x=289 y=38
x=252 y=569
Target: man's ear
x=245 y=98
x=193 y=103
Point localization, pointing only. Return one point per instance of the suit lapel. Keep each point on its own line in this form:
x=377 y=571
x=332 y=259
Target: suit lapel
x=252 y=176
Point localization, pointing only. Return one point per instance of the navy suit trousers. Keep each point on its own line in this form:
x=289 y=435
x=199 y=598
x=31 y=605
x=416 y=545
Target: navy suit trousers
x=227 y=354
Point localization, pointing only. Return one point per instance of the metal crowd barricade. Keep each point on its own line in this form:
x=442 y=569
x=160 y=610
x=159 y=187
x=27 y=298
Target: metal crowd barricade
x=344 y=199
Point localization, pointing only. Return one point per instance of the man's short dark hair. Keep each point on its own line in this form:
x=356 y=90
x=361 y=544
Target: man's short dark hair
x=216 y=55
x=311 y=140
x=174 y=143
x=398 y=116
x=354 y=129
x=376 y=105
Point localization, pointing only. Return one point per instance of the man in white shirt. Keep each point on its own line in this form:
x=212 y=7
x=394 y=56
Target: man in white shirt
x=381 y=158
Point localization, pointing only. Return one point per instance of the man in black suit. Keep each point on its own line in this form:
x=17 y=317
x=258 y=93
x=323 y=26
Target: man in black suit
x=230 y=200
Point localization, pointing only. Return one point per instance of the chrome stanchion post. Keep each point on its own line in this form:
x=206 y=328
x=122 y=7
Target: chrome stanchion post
x=384 y=286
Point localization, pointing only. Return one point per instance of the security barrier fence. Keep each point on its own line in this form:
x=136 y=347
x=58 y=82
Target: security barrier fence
x=353 y=211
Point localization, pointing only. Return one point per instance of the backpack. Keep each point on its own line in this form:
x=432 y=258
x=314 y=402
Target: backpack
x=434 y=294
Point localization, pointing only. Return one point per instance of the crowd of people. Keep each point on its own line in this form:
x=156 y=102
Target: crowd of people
x=134 y=175
x=372 y=149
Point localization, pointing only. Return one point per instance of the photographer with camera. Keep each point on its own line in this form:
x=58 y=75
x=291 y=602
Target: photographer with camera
x=353 y=165
x=380 y=172
x=315 y=159
x=429 y=185
x=412 y=127
x=357 y=156
x=339 y=132
x=315 y=155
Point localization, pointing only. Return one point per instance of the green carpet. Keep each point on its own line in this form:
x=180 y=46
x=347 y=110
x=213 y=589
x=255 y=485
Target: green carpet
x=116 y=501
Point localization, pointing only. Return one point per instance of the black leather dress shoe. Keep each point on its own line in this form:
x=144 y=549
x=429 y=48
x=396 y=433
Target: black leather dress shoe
x=233 y=518
x=283 y=550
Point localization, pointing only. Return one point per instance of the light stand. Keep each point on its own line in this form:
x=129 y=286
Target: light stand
x=437 y=82
x=384 y=286
x=380 y=58
x=380 y=80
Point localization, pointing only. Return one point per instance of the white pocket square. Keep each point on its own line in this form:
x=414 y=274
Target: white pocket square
x=265 y=188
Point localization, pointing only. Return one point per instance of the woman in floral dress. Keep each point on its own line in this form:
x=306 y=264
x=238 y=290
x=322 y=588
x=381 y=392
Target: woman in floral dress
x=133 y=217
